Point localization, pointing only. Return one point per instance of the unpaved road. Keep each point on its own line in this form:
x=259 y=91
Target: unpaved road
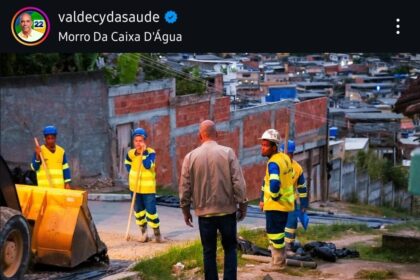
x=111 y=222
x=340 y=270
x=343 y=269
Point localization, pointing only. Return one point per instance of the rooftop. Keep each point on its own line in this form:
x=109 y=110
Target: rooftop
x=355 y=143
x=354 y=110
x=388 y=101
x=371 y=85
x=334 y=142
x=412 y=140
x=319 y=84
x=374 y=116
x=310 y=95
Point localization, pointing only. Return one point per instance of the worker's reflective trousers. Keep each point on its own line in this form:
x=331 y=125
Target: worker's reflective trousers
x=145 y=210
x=275 y=224
x=291 y=225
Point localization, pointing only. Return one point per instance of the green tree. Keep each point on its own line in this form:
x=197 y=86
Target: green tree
x=404 y=69
x=128 y=67
x=45 y=63
x=85 y=61
x=382 y=169
x=123 y=70
x=188 y=80
x=399 y=176
x=193 y=84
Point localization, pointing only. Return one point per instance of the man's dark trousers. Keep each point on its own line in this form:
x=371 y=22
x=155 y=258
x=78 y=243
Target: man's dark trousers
x=226 y=225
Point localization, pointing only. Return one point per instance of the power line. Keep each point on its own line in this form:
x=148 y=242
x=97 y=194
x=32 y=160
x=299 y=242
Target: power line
x=185 y=76
x=167 y=70
x=339 y=123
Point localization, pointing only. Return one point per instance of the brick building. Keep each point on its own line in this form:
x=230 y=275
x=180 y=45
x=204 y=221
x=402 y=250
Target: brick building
x=173 y=124
x=95 y=122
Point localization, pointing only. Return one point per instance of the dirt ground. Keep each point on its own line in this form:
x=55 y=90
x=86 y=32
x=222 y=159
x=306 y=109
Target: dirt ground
x=133 y=250
x=343 y=269
x=122 y=254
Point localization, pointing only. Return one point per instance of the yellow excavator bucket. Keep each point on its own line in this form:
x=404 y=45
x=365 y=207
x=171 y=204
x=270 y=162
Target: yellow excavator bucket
x=63 y=232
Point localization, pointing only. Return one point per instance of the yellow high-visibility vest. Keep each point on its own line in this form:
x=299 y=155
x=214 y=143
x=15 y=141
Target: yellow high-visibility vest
x=54 y=163
x=297 y=171
x=286 y=201
x=147 y=177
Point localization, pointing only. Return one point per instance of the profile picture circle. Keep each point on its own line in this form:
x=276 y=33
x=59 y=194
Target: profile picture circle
x=30 y=26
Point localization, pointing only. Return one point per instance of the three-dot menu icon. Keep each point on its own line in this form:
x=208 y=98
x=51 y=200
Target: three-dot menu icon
x=398 y=20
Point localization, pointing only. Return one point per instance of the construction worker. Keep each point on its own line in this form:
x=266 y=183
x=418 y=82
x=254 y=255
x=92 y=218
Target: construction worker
x=140 y=164
x=301 y=198
x=278 y=197
x=56 y=171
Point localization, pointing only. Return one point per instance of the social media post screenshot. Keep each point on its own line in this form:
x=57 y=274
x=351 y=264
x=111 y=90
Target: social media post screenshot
x=209 y=140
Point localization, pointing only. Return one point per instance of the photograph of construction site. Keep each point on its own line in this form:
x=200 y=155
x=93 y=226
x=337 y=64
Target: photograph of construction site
x=209 y=165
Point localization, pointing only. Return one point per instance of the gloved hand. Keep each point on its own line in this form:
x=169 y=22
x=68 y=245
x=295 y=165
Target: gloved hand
x=241 y=213
x=187 y=216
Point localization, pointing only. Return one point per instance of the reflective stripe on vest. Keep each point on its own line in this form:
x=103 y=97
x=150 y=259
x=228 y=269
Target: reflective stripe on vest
x=147 y=177
x=54 y=162
x=297 y=169
x=287 y=198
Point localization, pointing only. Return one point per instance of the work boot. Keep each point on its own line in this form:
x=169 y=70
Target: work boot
x=278 y=260
x=158 y=236
x=143 y=237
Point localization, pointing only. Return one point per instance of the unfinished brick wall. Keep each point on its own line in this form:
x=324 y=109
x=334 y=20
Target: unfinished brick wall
x=158 y=133
x=134 y=102
x=230 y=139
x=222 y=109
x=88 y=114
x=254 y=126
x=173 y=133
x=310 y=115
x=192 y=113
x=254 y=175
x=184 y=144
x=282 y=117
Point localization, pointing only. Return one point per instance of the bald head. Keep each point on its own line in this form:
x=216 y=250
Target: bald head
x=207 y=130
x=26 y=23
x=25 y=16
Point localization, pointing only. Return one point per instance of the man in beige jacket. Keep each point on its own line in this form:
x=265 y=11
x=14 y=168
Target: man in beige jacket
x=212 y=180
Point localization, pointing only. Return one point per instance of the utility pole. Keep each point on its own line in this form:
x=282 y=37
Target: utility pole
x=324 y=178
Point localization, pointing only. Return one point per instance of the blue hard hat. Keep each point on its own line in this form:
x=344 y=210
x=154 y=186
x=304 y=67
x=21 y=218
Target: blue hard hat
x=50 y=130
x=139 y=132
x=290 y=146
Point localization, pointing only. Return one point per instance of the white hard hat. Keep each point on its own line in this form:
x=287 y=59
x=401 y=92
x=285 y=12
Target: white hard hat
x=271 y=135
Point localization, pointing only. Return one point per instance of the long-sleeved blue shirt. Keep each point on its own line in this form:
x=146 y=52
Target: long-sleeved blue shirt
x=36 y=164
x=302 y=191
x=274 y=173
x=147 y=162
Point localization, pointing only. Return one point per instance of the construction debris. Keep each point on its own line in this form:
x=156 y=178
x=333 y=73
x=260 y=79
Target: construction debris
x=292 y=262
x=248 y=247
x=328 y=251
x=302 y=257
